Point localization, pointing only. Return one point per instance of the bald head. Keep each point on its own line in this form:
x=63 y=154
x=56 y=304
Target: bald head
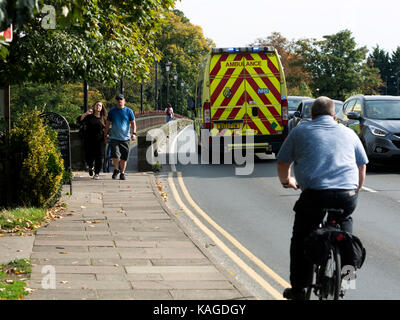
x=322 y=106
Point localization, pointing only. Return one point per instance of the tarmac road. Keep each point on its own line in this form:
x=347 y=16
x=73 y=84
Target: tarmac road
x=257 y=212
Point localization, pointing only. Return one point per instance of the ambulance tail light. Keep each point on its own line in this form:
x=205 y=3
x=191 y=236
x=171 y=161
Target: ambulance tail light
x=207 y=115
x=285 y=111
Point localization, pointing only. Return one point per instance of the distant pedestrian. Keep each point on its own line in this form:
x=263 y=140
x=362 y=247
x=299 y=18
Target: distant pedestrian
x=123 y=129
x=169 y=112
x=93 y=122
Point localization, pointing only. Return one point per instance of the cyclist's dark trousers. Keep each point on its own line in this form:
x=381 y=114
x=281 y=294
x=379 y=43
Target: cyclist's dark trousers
x=308 y=216
x=94 y=154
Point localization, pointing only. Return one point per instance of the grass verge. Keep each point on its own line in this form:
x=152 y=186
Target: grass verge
x=26 y=220
x=21 y=219
x=12 y=277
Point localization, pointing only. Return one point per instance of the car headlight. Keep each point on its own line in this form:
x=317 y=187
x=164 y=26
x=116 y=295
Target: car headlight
x=377 y=132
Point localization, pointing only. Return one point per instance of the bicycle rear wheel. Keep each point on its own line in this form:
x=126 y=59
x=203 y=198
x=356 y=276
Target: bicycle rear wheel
x=332 y=278
x=338 y=273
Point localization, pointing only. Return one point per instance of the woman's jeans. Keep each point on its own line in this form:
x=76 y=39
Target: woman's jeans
x=309 y=215
x=94 y=154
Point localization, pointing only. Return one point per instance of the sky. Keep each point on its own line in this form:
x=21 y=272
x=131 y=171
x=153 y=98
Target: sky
x=236 y=23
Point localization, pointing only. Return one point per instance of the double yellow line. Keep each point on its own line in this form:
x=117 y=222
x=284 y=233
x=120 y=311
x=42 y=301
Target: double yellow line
x=261 y=281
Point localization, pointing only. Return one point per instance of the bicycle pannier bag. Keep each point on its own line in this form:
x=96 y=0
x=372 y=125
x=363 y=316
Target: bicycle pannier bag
x=319 y=242
x=352 y=251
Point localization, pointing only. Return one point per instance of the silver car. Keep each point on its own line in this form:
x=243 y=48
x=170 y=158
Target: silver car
x=376 y=120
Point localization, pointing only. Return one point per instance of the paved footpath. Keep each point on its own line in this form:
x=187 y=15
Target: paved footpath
x=117 y=240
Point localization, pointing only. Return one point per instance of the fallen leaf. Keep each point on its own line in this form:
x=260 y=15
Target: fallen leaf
x=63 y=281
x=84 y=287
x=29 y=290
x=64 y=252
x=83 y=207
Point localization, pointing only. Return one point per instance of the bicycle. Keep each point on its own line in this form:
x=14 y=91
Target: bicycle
x=327 y=275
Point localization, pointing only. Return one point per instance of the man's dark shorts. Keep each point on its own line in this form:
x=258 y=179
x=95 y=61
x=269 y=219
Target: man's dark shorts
x=119 y=149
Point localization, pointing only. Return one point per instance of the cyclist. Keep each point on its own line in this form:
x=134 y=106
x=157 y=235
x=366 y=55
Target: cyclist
x=329 y=165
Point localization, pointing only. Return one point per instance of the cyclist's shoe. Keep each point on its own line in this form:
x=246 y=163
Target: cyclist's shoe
x=294 y=294
x=115 y=173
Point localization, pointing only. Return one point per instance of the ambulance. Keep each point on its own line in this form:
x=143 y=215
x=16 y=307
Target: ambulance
x=239 y=92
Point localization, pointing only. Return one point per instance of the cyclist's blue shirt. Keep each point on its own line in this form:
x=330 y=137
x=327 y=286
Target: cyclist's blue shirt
x=120 y=119
x=325 y=154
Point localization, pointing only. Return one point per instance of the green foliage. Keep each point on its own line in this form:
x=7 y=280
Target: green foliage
x=66 y=100
x=302 y=90
x=20 y=218
x=184 y=45
x=11 y=288
x=39 y=169
x=96 y=40
x=337 y=67
x=389 y=69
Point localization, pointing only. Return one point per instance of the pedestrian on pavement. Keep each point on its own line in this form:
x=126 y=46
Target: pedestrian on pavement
x=169 y=112
x=123 y=129
x=329 y=164
x=93 y=122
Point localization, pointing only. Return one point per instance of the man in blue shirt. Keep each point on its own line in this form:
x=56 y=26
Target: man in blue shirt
x=329 y=164
x=123 y=129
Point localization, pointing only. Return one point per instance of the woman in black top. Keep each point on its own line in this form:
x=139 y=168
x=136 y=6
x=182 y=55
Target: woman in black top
x=94 y=121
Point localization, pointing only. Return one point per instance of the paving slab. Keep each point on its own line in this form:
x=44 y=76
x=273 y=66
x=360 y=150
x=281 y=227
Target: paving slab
x=117 y=240
x=14 y=247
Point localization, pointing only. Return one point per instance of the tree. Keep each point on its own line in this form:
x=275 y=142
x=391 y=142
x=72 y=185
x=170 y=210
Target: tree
x=184 y=45
x=395 y=72
x=380 y=59
x=337 y=67
x=63 y=99
x=106 y=41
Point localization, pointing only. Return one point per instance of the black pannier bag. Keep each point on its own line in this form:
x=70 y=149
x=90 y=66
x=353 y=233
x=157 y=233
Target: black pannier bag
x=352 y=252
x=318 y=244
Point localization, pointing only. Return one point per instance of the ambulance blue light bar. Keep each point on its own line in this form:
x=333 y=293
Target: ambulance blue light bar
x=243 y=49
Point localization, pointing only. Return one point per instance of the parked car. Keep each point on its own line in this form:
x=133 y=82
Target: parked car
x=376 y=120
x=293 y=103
x=303 y=112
